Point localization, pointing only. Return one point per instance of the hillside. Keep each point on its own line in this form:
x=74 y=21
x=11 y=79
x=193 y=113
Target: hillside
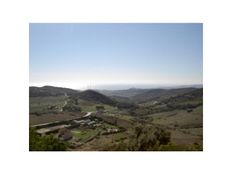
x=178 y=112
x=50 y=91
x=159 y=94
x=195 y=96
x=123 y=93
x=50 y=99
x=183 y=101
x=93 y=96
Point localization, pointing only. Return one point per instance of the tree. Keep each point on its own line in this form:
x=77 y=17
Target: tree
x=74 y=100
x=142 y=138
x=148 y=138
x=44 y=143
x=72 y=108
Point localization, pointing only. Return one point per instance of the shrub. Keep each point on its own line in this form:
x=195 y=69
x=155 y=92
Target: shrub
x=72 y=108
x=44 y=143
x=74 y=100
x=142 y=138
x=148 y=138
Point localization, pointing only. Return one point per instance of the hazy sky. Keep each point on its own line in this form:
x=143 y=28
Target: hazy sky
x=84 y=55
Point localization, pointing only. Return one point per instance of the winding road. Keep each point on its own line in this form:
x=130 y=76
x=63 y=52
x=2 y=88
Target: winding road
x=65 y=103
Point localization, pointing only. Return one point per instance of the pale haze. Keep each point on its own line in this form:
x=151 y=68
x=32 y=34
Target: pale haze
x=90 y=55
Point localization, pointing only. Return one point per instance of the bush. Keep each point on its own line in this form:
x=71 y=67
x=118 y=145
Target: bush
x=148 y=138
x=74 y=100
x=72 y=108
x=44 y=143
x=142 y=138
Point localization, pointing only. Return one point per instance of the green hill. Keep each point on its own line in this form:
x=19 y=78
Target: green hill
x=93 y=96
x=159 y=94
x=50 y=91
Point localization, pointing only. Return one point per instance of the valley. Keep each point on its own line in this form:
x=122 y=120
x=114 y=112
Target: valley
x=119 y=120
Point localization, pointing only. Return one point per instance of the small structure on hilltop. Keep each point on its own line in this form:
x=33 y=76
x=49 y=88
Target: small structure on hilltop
x=64 y=134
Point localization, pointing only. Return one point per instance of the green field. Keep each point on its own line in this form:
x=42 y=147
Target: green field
x=83 y=135
x=186 y=127
x=180 y=118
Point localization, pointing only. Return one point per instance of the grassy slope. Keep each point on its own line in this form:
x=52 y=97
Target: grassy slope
x=88 y=106
x=40 y=104
x=180 y=118
x=186 y=127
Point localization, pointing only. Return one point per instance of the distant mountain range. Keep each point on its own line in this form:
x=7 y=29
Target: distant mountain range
x=123 y=93
x=143 y=86
x=111 y=97
x=160 y=94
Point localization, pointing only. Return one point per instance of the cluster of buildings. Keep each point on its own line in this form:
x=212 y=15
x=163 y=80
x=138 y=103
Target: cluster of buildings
x=62 y=129
x=53 y=127
x=92 y=123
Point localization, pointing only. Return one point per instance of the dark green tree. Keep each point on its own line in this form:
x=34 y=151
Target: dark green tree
x=148 y=138
x=44 y=143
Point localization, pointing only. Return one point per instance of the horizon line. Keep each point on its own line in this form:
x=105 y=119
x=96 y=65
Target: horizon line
x=129 y=86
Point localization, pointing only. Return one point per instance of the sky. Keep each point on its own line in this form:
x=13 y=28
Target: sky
x=81 y=56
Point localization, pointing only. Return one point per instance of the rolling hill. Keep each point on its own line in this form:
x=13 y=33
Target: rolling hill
x=159 y=94
x=88 y=95
x=50 y=91
x=123 y=93
x=93 y=96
